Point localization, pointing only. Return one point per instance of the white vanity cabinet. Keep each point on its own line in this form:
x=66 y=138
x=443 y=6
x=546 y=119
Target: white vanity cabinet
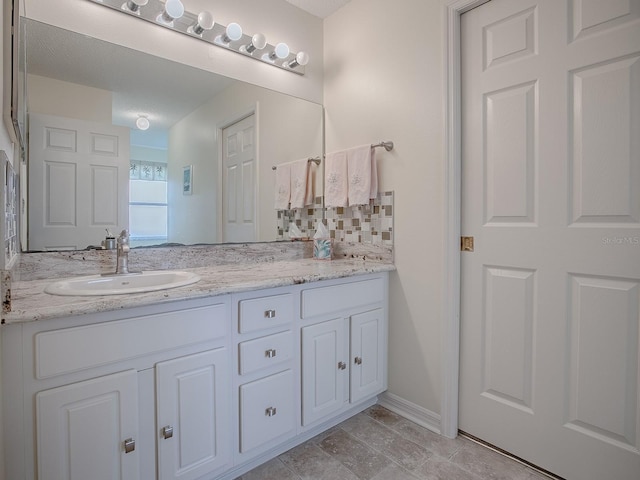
x=198 y=389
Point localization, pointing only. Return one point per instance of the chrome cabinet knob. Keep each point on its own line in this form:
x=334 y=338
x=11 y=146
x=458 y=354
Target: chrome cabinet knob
x=129 y=445
x=167 y=432
x=342 y=366
x=270 y=353
x=270 y=412
x=357 y=360
x=269 y=314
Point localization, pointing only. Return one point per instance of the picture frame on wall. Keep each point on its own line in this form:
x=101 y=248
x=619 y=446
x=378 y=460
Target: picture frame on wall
x=187 y=180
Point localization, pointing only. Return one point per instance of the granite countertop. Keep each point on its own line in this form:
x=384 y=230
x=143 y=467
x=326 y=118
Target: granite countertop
x=30 y=303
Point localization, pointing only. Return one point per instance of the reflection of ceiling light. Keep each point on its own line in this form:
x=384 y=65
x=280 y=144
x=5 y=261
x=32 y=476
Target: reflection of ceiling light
x=142 y=122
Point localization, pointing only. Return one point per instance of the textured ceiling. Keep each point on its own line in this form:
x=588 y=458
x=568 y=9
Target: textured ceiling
x=319 y=8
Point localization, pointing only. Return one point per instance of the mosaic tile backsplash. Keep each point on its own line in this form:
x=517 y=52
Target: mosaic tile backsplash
x=371 y=223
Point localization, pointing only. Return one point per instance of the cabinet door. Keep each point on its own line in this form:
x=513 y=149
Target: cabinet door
x=82 y=429
x=325 y=366
x=368 y=354
x=193 y=415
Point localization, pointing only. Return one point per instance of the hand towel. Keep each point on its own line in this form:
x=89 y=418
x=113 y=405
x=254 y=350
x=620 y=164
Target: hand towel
x=283 y=187
x=361 y=171
x=335 y=179
x=310 y=195
x=299 y=179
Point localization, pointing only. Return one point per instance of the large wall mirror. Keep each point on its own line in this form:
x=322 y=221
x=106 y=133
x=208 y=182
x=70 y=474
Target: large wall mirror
x=200 y=173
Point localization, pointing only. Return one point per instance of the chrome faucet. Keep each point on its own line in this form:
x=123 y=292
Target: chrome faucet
x=122 y=266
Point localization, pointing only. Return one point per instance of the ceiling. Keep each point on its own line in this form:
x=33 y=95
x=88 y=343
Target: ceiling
x=319 y=8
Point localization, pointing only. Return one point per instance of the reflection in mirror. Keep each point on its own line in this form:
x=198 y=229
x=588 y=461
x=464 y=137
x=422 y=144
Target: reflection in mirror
x=200 y=173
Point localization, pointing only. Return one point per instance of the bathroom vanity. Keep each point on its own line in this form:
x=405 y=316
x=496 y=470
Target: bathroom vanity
x=199 y=382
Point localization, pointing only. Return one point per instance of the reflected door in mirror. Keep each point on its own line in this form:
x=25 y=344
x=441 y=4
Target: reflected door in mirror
x=78 y=182
x=238 y=181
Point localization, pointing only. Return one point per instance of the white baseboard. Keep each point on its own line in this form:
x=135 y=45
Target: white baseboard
x=417 y=414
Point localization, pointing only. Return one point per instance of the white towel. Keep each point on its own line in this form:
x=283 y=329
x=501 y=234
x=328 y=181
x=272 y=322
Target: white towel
x=283 y=187
x=335 y=180
x=310 y=196
x=299 y=180
x=362 y=174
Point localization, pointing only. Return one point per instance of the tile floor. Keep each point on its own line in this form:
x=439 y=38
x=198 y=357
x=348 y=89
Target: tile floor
x=380 y=445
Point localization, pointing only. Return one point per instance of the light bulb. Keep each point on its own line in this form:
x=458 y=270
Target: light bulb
x=204 y=22
x=173 y=9
x=281 y=51
x=134 y=5
x=302 y=58
x=142 y=122
x=258 y=42
x=232 y=33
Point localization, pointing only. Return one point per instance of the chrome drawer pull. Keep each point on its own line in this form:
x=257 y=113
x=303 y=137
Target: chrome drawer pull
x=269 y=314
x=129 y=445
x=167 y=432
x=270 y=412
x=342 y=366
x=270 y=353
x=357 y=360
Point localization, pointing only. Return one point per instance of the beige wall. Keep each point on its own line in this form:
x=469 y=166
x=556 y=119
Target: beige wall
x=384 y=81
x=278 y=20
x=64 y=99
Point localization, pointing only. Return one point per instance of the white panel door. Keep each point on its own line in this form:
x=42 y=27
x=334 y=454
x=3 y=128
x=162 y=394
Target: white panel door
x=550 y=309
x=78 y=182
x=82 y=427
x=193 y=415
x=325 y=369
x=239 y=181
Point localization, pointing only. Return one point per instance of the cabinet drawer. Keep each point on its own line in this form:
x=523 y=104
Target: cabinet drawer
x=103 y=343
x=265 y=312
x=266 y=410
x=336 y=298
x=265 y=351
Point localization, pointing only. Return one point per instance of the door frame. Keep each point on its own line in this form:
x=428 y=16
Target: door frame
x=452 y=201
x=220 y=126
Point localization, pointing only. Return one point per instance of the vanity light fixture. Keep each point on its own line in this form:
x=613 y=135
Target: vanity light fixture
x=232 y=33
x=302 y=58
x=134 y=5
x=204 y=22
x=202 y=27
x=258 y=42
x=173 y=9
x=142 y=122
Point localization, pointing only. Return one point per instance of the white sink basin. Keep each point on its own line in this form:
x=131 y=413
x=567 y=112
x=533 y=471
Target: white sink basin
x=118 y=284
